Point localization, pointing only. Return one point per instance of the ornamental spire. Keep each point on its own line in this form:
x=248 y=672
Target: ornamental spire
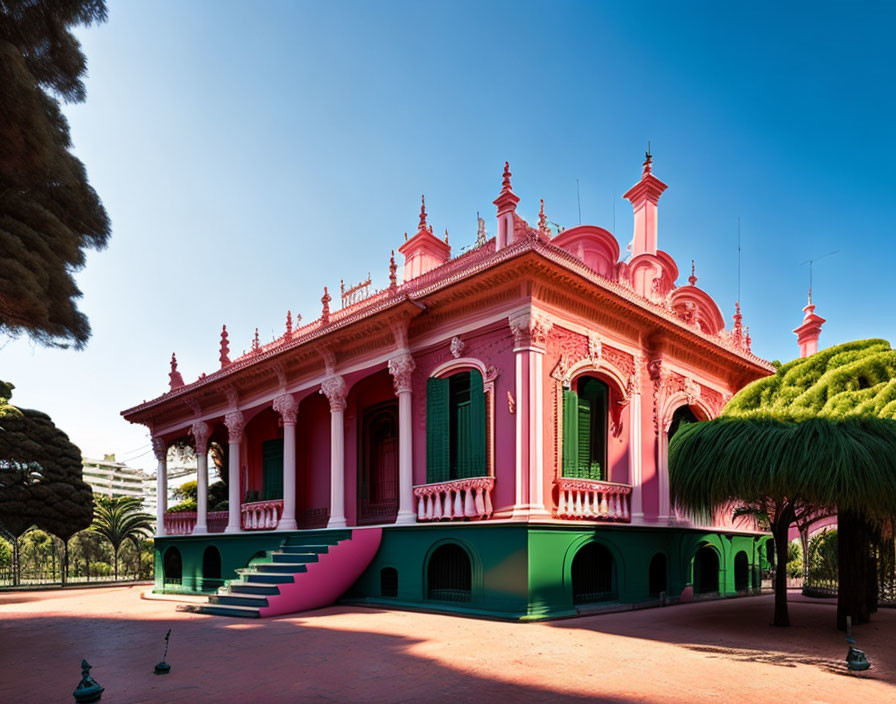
x=692 y=279
x=288 y=324
x=738 y=329
x=175 y=380
x=256 y=343
x=542 y=219
x=325 y=307
x=393 y=269
x=505 y=183
x=423 y=226
x=225 y=347
x=648 y=161
x=506 y=203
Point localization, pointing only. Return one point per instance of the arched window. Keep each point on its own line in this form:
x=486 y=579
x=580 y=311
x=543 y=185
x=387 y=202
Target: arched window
x=593 y=575
x=211 y=563
x=684 y=414
x=388 y=581
x=455 y=427
x=585 y=429
x=706 y=571
x=449 y=574
x=172 y=567
x=741 y=572
x=657 y=574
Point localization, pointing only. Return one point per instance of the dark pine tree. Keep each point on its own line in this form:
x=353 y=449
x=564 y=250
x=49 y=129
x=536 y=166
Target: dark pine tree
x=49 y=214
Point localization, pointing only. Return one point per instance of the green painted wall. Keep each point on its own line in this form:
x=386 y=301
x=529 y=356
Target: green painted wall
x=519 y=572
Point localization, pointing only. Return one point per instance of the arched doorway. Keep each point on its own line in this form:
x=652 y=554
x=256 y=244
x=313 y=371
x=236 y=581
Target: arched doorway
x=450 y=574
x=741 y=572
x=657 y=574
x=706 y=571
x=378 y=468
x=172 y=567
x=211 y=563
x=683 y=414
x=593 y=575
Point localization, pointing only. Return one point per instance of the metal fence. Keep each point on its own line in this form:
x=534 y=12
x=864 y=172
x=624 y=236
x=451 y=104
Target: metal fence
x=31 y=578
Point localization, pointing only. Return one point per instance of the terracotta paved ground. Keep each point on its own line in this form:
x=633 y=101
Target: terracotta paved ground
x=715 y=652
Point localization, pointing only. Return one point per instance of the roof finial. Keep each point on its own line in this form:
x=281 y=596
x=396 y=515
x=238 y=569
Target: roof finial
x=692 y=279
x=174 y=378
x=481 y=235
x=505 y=184
x=325 y=310
x=256 y=343
x=225 y=347
x=648 y=160
x=542 y=219
x=446 y=235
x=422 y=226
x=288 y=324
x=393 y=276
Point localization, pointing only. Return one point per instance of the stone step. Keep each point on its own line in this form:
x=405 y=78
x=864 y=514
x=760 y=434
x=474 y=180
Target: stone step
x=270 y=577
x=302 y=549
x=237 y=587
x=322 y=538
x=280 y=558
x=285 y=567
x=221 y=610
x=256 y=600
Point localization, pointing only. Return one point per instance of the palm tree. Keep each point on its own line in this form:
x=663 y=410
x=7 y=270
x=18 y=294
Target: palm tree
x=118 y=519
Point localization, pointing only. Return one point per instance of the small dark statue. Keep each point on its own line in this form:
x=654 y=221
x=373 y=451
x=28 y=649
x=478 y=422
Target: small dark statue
x=163 y=668
x=88 y=689
x=855 y=658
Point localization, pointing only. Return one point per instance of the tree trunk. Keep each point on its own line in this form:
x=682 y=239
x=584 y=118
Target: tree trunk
x=852 y=569
x=115 y=555
x=804 y=544
x=65 y=564
x=780 y=529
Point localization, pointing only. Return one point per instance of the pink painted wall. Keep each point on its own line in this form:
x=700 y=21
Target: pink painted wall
x=263 y=427
x=369 y=391
x=313 y=453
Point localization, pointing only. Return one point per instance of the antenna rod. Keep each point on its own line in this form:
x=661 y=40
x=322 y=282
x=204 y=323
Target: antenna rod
x=811 y=262
x=579 y=199
x=738 y=258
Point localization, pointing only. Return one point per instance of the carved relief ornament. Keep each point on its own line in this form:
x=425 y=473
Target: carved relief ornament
x=530 y=330
x=402 y=369
x=286 y=406
x=200 y=432
x=334 y=389
x=160 y=449
x=235 y=424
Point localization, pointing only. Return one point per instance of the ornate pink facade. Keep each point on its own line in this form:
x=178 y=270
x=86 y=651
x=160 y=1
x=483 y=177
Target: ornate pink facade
x=532 y=313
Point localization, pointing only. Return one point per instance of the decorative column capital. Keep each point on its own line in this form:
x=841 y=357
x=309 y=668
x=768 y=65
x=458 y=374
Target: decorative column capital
x=286 y=406
x=334 y=389
x=160 y=449
x=401 y=368
x=530 y=329
x=200 y=432
x=235 y=424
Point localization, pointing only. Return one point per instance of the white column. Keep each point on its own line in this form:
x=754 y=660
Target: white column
x=663 y=473
x=160 y=448
x=200 y=432
x=634 y=454
x=235 y=424
x=530 y=331
x=401 y=368
x=334 y=389
x=288 y=409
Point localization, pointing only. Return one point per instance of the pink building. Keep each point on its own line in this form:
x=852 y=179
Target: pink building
x=488 y=436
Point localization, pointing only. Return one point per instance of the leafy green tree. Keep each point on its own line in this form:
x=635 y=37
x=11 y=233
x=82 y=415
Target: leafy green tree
x=118 y=519
x=817 y=434
x=49 y=214
x=40 y=476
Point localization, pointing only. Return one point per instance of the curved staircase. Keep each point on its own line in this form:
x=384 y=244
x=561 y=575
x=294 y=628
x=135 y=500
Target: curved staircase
x=307 y=572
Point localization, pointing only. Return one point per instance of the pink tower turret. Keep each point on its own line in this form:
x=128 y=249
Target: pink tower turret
x=644 y=197
x=424 y=251
x=808 y=332
x=506 y=203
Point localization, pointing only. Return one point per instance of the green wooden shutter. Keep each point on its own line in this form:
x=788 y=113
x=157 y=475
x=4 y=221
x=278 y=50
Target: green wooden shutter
x=477 y=420
x=272 y=469
x=570 y=433
x=584 y=438
x=438 y=461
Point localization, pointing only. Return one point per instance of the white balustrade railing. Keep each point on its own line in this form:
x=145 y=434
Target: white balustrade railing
x=261 y=515
x=183 y=522
x=593 y=500
x=455 y=500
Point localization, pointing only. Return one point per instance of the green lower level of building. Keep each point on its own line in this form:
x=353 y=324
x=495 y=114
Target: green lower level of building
x=516 y=571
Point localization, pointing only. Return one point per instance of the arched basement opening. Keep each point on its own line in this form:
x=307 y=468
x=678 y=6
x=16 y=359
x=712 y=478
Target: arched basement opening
x=657 y=574
x=388 y=581
x=706 y=571
x=593 y=575
x=172 y=566
x=741 y=572
x=211 y=563
x=450 y=574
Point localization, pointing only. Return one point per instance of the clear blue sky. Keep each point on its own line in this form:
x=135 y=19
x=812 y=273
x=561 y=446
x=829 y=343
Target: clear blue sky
x=250 y=153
